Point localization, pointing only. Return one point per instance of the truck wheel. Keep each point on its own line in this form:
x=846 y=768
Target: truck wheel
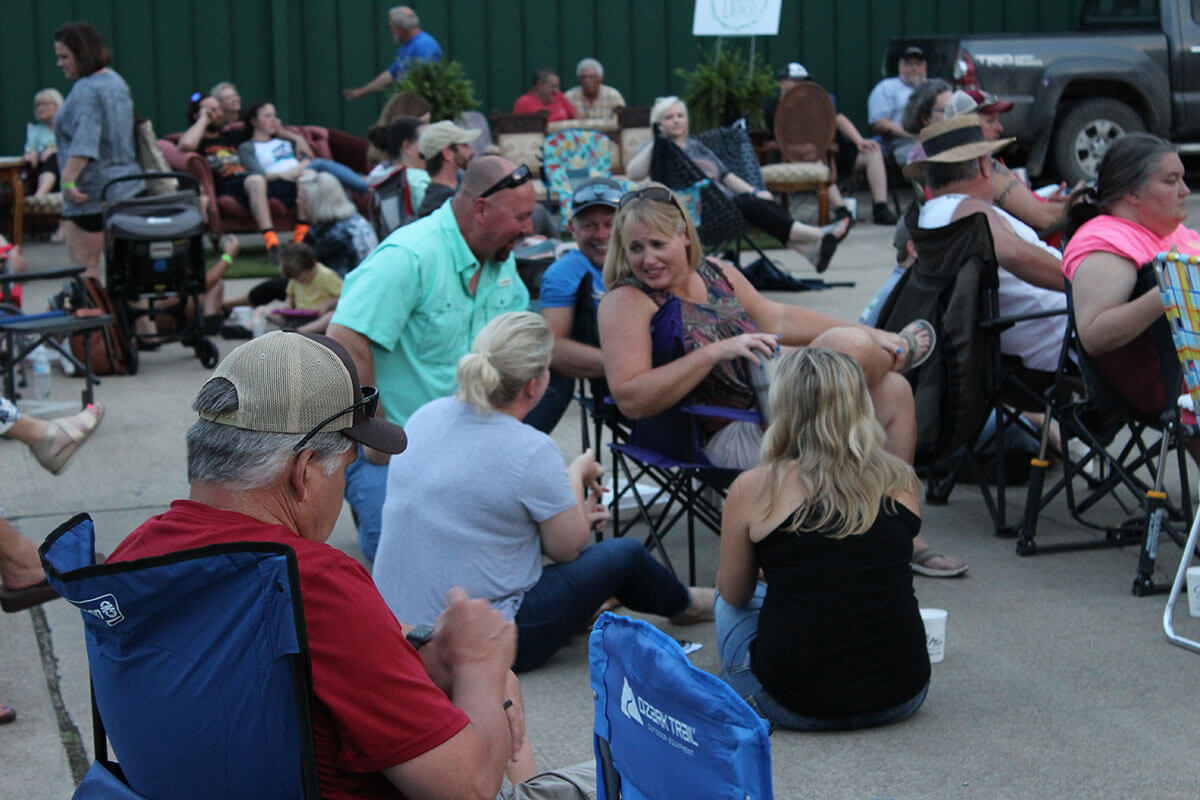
x=1084 y=134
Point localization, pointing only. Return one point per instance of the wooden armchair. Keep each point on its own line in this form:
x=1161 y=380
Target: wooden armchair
x=805 y=124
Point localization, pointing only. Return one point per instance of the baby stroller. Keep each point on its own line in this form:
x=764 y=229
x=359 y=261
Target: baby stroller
x=154 y=249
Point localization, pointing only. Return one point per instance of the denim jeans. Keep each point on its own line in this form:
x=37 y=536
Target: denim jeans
x=366 y=484
x=346 y=176
x=736 y=629
x=567 y=595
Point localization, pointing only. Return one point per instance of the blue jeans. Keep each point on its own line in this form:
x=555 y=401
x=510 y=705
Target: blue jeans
x=346 y=176
x=366 y=485
x=736 y=629
x=567 y=595
x=546 y=414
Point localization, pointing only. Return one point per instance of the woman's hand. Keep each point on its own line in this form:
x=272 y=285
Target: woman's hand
x=748 y=345
x=588 y=471
x=867 y=146
x=765 y=195
x=75 y=196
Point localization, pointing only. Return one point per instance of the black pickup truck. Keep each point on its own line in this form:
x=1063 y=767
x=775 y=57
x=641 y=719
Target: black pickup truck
x=1132 y=65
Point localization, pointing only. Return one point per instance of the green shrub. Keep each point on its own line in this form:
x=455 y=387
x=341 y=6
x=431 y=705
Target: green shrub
x=444 y=84
x=725 y=86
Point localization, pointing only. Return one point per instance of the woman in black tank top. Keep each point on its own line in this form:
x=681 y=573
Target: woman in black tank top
x=832 y=640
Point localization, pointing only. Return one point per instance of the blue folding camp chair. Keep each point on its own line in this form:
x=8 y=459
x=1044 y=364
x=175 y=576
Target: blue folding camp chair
x=665 y=728
x=199 y=665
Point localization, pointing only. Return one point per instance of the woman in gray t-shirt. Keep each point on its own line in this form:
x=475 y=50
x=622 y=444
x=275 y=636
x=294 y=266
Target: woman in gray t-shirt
x=93 y=132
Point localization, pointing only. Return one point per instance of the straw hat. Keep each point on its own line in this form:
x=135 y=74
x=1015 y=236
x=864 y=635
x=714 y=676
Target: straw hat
x=953 y=141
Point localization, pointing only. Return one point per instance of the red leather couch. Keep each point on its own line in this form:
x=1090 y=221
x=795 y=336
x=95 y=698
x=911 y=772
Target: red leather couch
x=227 y=215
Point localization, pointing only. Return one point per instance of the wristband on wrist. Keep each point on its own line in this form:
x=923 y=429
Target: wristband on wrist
x=68 y=184
x=228 y=259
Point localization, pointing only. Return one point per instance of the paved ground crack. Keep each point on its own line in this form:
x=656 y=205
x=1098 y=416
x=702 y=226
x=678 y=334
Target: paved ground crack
x=72 y=741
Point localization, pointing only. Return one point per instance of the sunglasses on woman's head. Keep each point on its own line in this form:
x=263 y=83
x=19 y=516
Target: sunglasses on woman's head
x=658 y=194
x=512 y=180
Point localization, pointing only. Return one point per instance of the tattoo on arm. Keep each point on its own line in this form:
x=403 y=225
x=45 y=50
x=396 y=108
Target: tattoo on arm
x=1008 y=187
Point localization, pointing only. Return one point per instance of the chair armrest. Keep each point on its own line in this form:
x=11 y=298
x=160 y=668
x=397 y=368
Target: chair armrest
x=50 y=274
x=317 y=138
x=722 y=412
x=195 y=165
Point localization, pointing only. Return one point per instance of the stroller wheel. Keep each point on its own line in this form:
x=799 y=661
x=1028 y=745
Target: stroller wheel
x=207 y=352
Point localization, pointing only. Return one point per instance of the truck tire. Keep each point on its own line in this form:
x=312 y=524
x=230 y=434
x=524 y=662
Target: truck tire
x=1084 y=134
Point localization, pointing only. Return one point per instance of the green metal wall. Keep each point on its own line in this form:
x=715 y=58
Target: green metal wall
x=301 y=54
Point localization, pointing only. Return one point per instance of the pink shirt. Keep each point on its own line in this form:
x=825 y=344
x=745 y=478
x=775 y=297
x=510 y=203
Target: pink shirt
x=1126 y=239
x=560 y=107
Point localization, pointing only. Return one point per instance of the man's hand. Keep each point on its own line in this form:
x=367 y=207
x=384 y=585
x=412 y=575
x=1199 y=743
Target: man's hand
x=352 y=94
x=468 y=633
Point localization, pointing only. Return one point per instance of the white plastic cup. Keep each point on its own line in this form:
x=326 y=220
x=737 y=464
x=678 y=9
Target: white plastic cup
x=240 y=315
x=1193 y=590
x=935 y=632
x=852 y=206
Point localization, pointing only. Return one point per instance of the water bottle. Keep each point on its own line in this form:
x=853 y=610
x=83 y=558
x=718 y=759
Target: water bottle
x=41 y=374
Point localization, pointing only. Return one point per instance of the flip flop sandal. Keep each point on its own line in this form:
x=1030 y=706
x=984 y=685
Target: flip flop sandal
x=14 y=600
x=920 y=565
x=65 y=436
x=829 y=245
x=7 y=714
x=913 y=355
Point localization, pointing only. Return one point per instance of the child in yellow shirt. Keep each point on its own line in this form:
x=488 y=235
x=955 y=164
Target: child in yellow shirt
x=312 y=287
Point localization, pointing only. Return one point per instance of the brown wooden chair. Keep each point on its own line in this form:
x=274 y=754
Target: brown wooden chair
x=805 y=124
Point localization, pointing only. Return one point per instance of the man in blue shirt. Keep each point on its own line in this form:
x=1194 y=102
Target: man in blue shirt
x=415 y=45
x=576 y=353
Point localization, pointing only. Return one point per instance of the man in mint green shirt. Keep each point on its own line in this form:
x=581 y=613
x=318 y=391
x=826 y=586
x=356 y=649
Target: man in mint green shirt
x=413 y=307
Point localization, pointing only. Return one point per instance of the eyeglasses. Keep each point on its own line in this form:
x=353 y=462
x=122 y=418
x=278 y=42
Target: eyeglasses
x=658 y=194
x=512 y=180
x=597 y=191
x=369 y=404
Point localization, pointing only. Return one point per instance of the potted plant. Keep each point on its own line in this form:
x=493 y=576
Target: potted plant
x=444 y=84
x=725 y=86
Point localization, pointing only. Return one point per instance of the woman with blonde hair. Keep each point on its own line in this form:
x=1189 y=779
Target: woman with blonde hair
x=675 y=325
x=339 y=236
x=479 y=498
x=832 y=639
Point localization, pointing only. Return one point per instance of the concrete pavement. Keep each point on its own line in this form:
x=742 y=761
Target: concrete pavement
x=1057 y=682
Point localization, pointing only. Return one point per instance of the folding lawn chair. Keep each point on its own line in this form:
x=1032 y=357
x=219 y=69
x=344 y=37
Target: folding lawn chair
x=1128 y=450
x=954 y=284
x=199 y=665
x=391 y=203
x=570 y=157
x=663 y=727
x=1179 y=284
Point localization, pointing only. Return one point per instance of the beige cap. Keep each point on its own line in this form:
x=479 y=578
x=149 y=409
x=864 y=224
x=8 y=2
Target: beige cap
x=443 y=134
x=301 y=383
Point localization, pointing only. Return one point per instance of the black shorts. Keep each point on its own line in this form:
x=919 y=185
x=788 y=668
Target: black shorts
x=92 y=223
x=235 y=187
x=847 y=154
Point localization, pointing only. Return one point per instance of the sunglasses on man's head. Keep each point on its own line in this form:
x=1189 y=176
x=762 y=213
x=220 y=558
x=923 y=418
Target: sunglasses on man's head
x=512 y=180
x=196 y=97
x=369 y=403
x=597 y=191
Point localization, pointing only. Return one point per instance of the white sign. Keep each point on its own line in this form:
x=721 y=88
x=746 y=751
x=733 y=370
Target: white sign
x=736 y=18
